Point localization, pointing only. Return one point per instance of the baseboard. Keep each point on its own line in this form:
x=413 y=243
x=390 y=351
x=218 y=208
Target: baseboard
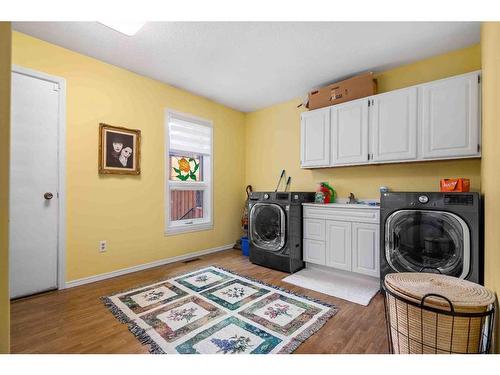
x=161 y=262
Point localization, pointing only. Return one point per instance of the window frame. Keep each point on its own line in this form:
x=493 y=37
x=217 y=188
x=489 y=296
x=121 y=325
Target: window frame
x=189 y=225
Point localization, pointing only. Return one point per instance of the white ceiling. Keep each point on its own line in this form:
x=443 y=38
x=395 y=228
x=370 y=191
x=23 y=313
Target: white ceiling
x=251 y=65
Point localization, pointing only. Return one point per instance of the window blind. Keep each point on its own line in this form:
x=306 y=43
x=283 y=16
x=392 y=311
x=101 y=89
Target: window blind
x=189 y=136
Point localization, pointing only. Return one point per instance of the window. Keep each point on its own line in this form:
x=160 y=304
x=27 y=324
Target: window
x=188 y=162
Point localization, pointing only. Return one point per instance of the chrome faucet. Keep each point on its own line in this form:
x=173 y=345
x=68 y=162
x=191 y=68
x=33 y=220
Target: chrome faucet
x=352 y=199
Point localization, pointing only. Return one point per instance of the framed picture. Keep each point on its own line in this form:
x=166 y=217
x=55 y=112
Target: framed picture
x=119 y=150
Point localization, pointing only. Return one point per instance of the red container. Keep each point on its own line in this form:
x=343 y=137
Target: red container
x=456 y=185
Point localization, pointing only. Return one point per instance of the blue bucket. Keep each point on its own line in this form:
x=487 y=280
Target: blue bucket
x=245 y=246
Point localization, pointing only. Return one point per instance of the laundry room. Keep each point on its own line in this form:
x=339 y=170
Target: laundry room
x=167 y=190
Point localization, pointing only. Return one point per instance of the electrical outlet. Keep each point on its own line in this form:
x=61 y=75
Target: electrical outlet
x=103 y=246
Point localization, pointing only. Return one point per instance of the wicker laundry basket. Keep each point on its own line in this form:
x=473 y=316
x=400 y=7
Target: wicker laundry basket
x=431 y=313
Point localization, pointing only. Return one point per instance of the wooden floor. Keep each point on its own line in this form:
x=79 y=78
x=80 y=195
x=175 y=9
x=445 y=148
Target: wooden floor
x=75 y=320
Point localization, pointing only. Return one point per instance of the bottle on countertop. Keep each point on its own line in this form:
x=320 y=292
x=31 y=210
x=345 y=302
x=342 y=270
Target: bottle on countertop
x=325 y=193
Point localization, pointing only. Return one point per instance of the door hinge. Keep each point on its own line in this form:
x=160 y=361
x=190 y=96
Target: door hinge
x=368 y=102
x=368 y=156
x=478 y=79
x=478 y=147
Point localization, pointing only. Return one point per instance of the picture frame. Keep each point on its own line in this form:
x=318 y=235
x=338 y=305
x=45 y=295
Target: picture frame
x=119 y=150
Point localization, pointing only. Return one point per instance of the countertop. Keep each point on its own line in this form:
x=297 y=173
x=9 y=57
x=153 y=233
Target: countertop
x=343 y=205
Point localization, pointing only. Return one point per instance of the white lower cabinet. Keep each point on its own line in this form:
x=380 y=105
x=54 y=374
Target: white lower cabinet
x=314 y=251
x=365 y=249
x=350 y=242
x=314 y=229
x=338 y=244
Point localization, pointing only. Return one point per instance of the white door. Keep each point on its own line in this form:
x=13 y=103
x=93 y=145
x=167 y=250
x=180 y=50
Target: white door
x=315 y=138
x=338 y=244
x=393 y=125
x=450 y=117
x=34 y=181
x=365 y=249
x=349 y=139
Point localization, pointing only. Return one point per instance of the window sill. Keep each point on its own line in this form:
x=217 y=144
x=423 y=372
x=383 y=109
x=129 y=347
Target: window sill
x=172 y=231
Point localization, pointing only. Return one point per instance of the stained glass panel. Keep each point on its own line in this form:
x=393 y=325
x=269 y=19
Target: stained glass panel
x=186 y=167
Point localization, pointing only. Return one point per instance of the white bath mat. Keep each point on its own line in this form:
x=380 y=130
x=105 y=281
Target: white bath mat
x=352 y=287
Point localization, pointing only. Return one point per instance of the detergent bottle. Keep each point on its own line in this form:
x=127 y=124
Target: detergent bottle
x=325 y=192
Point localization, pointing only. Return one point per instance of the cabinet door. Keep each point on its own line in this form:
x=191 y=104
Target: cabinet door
x=338 y=244
x=365 y=249
x=393 y=125
x=314 y=229
x=314 y=251
x=315 y=138
x=350 y=133
x=450 y=117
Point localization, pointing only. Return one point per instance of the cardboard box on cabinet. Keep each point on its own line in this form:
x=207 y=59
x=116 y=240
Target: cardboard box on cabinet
x=356 y=87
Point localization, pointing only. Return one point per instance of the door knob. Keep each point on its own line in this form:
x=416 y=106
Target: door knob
x=48 y=196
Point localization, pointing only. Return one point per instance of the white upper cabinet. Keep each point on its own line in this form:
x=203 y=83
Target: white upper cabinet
x=393 y=126
x=349 y=138
x=315 y=138
x=450 y=117
x=431 y=121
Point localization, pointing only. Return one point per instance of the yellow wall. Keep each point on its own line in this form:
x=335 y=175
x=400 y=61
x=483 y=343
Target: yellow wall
x=5 y=67
x=273 y=141
x=128 y=211
x=490 y=176
x=251 y=148
x=437 y=67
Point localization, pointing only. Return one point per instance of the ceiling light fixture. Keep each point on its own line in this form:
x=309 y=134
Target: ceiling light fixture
x=127 y=28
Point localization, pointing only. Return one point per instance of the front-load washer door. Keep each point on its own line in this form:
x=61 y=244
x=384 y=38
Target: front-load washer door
x=427 y=241
x=267 y=226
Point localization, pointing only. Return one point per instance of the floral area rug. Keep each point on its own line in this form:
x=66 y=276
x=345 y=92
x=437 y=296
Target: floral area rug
x=212 y=310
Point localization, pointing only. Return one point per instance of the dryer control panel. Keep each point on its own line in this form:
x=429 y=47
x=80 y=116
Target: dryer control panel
x=458 y=199
x=283 y=197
